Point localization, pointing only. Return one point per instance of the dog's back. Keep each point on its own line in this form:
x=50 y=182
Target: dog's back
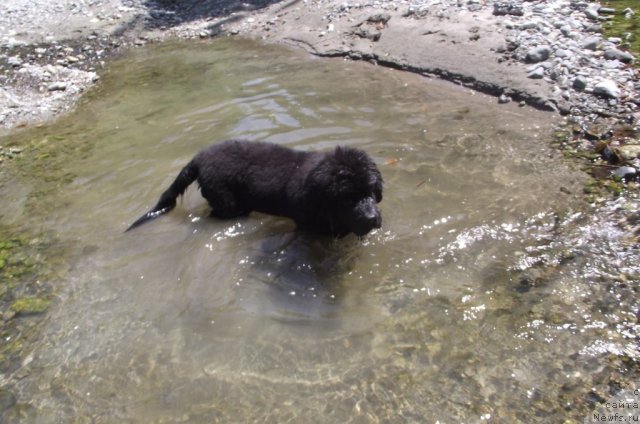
x=331 y=192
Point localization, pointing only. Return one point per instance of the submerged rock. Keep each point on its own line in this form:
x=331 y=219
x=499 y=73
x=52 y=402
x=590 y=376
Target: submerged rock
x=7 y=400
x=29 y=306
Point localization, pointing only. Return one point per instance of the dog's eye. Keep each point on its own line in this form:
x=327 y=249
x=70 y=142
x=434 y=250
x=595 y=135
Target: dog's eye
x=348 y=199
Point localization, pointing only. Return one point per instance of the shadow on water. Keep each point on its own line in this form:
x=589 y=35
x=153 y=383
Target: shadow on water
x=302 y=276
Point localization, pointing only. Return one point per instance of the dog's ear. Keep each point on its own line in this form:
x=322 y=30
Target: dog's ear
x=377 y=186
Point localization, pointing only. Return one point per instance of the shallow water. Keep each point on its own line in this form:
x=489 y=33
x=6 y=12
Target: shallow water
x=464 y=307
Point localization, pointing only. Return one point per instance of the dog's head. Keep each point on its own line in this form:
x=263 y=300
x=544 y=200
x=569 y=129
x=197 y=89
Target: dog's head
x=348 y=185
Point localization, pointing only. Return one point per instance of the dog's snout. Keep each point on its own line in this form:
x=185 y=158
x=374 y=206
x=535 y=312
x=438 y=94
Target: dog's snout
x=371 y=213
x=376 y=220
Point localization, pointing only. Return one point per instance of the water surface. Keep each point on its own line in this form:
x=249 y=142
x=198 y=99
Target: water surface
x=464 y=307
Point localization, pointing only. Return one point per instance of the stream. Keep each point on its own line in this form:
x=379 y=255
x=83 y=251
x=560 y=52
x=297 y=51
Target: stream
x=488 y=295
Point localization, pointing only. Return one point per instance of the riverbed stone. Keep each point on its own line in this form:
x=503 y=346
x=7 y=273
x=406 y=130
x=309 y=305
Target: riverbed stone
x=508 y=8
x=580 y=83
x=625 y=173
x=14 y=61
x=57 y=86
x=536 y=73
x=591 y=13
x=606 y=10
x=629 y=151
x=591 y=43
x=538 y=54
x=504 y=99
x=7 y=399
x=608 y=89
x=616 y=54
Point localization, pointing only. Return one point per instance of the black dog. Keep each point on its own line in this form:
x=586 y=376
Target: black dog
x=333 y=193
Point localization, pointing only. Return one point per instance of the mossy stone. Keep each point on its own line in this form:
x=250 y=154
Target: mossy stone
x=29 y=306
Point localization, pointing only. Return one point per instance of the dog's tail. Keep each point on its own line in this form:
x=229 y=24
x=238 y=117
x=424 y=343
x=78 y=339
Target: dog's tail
x=168 y=199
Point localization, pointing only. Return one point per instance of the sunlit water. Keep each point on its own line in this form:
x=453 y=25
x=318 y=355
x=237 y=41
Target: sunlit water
x=464 y=307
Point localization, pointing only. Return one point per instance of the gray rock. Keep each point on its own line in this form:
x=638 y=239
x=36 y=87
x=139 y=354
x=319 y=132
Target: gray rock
x=593 y=28
x=607 y=88
x=538 y=54
x=537 y=73
x=591 y=43
x=504 y=99
x=580 y=83
x=14 y=61
x=591 y=14
x=615 y=54
x=57 y=86
x=625 y=173
x=528 y=25
x=613 y=64
x=607 y=10
x=508 y=8
x=629 y=151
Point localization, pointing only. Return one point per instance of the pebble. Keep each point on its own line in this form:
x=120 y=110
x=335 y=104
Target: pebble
x=537 y=73
x=14 y=61
x=57 y=86
x=625 y=173
x=504 y=99
x=579 y=83
x=591 y=43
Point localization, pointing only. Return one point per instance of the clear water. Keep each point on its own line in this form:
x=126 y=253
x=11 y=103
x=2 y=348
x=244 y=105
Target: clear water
x=430 y=319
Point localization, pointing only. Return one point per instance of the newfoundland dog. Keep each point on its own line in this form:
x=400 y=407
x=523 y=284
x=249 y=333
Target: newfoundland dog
x=333 y=193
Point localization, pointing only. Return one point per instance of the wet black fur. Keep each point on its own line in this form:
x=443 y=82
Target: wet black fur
x=333 y=193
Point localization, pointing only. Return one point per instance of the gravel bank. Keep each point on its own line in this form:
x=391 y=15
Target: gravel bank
x=551 y=55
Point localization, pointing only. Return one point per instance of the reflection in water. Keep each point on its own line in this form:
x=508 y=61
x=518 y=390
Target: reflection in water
x=466 y=306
